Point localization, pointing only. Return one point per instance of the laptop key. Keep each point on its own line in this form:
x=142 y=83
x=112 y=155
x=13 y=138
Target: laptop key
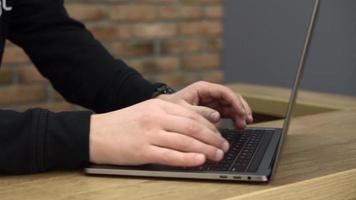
x=239 y=156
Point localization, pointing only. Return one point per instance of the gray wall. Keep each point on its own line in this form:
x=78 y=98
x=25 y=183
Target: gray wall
x=264 y=38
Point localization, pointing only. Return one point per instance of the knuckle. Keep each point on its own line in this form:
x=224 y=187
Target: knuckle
x=193 y=116
x=220 y=141
x=229 y=91
x=185 y=159
x=149 y=156
x=148 y=119
x=211 y=151
x=193 y=127
x=155 y=102
x=214 y=139
x=144 y=155
x=226 y=89
x=180 y=159
x=204 y=110
x=166 y=158
x=201 y=83
x=185 y=144
x=181 y=102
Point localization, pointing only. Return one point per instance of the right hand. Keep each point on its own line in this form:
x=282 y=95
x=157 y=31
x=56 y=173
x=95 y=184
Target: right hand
x=154 y=131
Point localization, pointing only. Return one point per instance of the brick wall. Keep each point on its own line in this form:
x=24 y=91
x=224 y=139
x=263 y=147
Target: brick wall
x=172 y=41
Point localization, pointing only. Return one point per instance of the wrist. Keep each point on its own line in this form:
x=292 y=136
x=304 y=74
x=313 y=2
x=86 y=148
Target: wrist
x=93 y=144
x=164 y=97
x=161 y=90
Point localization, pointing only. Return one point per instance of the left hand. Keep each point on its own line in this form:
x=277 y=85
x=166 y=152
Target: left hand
x=213 y=101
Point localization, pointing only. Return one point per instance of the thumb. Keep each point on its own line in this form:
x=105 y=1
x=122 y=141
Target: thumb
x=210 y=114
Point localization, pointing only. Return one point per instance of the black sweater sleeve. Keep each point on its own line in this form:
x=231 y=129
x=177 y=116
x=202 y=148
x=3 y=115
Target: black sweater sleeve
x=81 y=70
x=38 y=140
x=77 y=65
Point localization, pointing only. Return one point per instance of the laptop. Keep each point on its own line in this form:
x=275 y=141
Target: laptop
x=253 y=155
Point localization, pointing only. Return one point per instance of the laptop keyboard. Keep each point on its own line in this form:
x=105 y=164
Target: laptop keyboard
x=247 y=148
x=243 y=149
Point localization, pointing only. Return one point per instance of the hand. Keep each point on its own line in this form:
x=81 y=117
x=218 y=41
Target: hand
x=213 y=101
x=154 y=131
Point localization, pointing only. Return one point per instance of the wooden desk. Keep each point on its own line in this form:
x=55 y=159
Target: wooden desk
x=318 y=162
x=274 y=100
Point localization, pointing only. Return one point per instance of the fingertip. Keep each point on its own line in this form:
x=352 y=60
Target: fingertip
x=219 y=155
x=240 y=123
x=225 y=146
x=215 y=117
x=199 y=159
x=250 y=119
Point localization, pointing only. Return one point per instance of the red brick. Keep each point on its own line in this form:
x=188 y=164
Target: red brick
x=123 y=31
x=180 y=12
x=6 y=75
x=136 y=48
x=56 y=96
x=173 y=41
x=177 y=80
x=14 y=55
x=177 y=46
x=202 y=2
x=216 y=76
x=155 y=30
x=215 y=44
x=214 y=11
x=18 y=94
x=107 y=32
x=200 y=28
x=202 y=61
x=153 y=65
x=29 y=74
x=103 y=32
x=133 y=12
x=162 y=1
x=86 y=12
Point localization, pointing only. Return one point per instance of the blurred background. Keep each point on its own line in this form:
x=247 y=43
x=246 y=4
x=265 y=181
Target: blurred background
x=264 y=40
x=181 y=41
x=173 y=41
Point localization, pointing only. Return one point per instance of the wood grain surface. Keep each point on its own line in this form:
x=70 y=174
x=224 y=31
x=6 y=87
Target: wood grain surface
x=319 y=157
x=273 y=100
x=318 y=162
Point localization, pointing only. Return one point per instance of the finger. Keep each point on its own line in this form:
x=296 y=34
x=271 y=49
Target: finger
x=235 y=107
x=179 y=110
x=208 y=113
x=194 y=129
x=160 y=155
x=239 y=122
x=222 y=93
x=183 y=143
x=248 y=110
x=227 y=112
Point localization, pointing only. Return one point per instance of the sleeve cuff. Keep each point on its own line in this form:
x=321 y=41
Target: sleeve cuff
x=66 y=138
x=135 y=90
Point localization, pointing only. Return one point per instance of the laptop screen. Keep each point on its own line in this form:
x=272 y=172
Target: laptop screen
x=264 y=41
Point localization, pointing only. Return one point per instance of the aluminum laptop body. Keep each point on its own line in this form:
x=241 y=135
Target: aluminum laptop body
x=262 y=163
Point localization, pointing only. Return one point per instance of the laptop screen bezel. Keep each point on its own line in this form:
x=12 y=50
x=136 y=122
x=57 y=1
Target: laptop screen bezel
x=296 y=85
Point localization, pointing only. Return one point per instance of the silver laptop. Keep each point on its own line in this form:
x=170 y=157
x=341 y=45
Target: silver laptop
x=253 y=155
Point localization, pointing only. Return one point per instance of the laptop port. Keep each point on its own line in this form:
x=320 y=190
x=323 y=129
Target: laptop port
x=237 y=177
x=223 y=176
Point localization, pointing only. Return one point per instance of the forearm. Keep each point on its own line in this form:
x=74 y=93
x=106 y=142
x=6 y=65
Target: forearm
x=77 y=65
x=38 y=140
